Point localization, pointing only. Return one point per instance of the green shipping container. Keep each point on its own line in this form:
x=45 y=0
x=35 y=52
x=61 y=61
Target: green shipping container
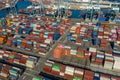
x=11 y=56
x=77 y=78
x=13 y=72
x=37 y=78
x=81 y=53
x=56 y=66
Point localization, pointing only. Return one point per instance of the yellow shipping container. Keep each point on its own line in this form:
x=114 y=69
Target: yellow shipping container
x=8 y=22
x=2 y=40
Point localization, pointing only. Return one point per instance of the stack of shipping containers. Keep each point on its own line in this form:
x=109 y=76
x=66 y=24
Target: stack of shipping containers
x=60 y=40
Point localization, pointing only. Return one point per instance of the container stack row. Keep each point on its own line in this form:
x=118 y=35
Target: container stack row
x=18 y=58
x=74 y=73
x=32 y=34
x=99 y=58
x=9 y=72
x=101 y=35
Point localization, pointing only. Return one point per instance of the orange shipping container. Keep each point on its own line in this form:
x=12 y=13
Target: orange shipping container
x=77 y=30
x=2 y=40
x=67 y=52
x=58 y=52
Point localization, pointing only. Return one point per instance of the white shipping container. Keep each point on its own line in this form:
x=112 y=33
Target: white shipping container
x=48 y=64
x=100 y=52
x=78 y=23
x=16 y=61
x=116 y=67
x=70 y=69
x=1 y=56
x=54 y=69
x=8 y=30
x=79 y=72
x=69 y=73
x=101 y=29
x=106 y=32
x=73 y=27
x=113 y=31
x=52 y=62
x=74 y=35
x=118 y=42
x=48 y=41
x=45 y=36
x=78 y=43
x=67 y=47
x=30 y=62
x=6 y=55
x=100 y=56
x=116 y=58
x=72 y=31
x=42 y=53
x=104 y=79
x=3 y=74
x=43 y=45
x=30 y=65
x=105 y=36
x=108 y=65
x=1 y=51
x=106 y=54
x=62 y=73
x=100 y=37
x=97 y=74
x=92 y=49
x=73 y=52
x=110 y=58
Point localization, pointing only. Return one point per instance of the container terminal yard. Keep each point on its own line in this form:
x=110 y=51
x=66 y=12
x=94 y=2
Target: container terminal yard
x=59 y=39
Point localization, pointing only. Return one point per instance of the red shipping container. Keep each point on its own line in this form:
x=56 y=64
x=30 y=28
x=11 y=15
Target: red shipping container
x=41 y=40
x=10 y=60
x=55 y=73
x=14 y=53
x=88 y=75
x=8 y=67
x=108 y=52
x=50 y=36
x=8 y=43
x=23 y=60
x=62 y=70
x=47 y=69
x=18 y=55
x=23 y=45
x=28 y=46
x=69 y=77
x=79 y=72
x=77 y=30
x=99 y=61
x=41 y=34
x=80 y=50
x=88 y=78
x=79 y=40
x=5 y=71
x=105 y=76
x=115 y=78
